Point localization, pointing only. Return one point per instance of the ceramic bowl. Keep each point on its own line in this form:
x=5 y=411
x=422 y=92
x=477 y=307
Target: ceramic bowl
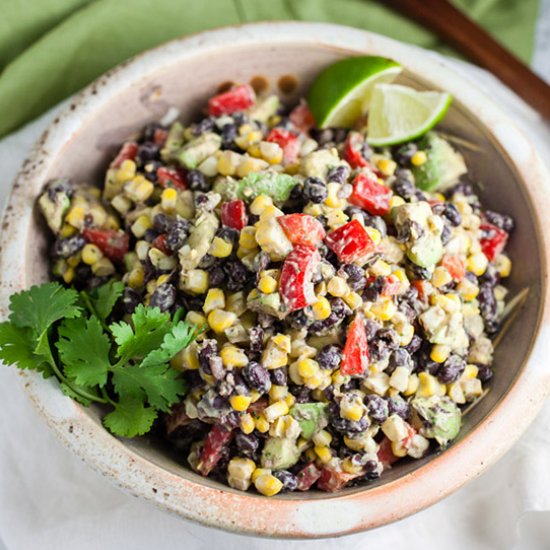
x=285 y=57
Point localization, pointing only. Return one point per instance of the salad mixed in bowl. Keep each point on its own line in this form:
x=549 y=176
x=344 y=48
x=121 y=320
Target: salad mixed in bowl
x=295 y=296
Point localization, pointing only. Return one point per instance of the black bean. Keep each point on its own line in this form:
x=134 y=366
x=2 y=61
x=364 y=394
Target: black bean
x=487 y=302
x=150 y=235
x=257 y=377
x=451 y=369
x=329 y=357
x=61 y=185
x=162 y=223
x=446 y=234
x=464 y=188
x=490 y=277
x=279 y=376
x=197 y=181
x=345 y=426
x=452 y=214
x=147 y=152
x=338 y=174
x=208 y=354
x=301 y=393
x=374 y=289
x=300 y=318
x=177 y=234
x=230 y=421
x=400 y=358
x=63 y=248
x=404 y=153
x=289 y=481
x=397 y=405
x=353 y=272
x=216 y=275
x=403 y=184
x=130 y=299
x=315 y=190
x=322 y=136
x=339 y=308
x=247 y=444
x=256 y=335
x=205 y=125
x=424 y=362
x=502 y=221
x=484 y=373
x=228 y=133
x=414 y=344
x=163 y=297
x=237 y=275
x=228 y=234
x=416 y=272
x=377 y=407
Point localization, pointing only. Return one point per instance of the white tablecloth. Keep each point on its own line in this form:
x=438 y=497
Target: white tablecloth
x=51 y=500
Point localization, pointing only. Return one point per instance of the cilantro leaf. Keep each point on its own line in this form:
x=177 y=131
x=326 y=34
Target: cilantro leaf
x=16 y=347
x=84 y=351
x=105 y=297
x=130 y=418
x=150 y=326
x=160 y=384
x=177 y=339
x=41 y=306
x=69 y=392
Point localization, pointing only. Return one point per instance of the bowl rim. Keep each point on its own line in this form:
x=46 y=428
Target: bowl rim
x=296 y=517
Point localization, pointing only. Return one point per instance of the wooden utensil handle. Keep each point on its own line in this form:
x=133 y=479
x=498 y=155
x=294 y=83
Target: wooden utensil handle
x=450 y=24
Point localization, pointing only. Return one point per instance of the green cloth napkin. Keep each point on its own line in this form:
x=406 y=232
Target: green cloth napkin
x=50 y=49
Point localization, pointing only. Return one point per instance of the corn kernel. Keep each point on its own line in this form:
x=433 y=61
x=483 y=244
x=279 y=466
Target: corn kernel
x=374 y=234
x=351 y=410
x=196 y=318
x=255 y=395
x=332 y=199
x=142 y=250
x=412 y=385
x=338 y=287
x=141 y=225
x=259 y=204
x=290 y=400
x=228 y=162
x=91 y=254
x=67 y=230
x=220 y=320
x=477 y=264
x=399 y=379
x=274 y=357
x=195 y=281
x=241 y=468
x=161 y=261
x=354 y=443
x=310 y=455
x=380 y=268
x=74 y=260
x=307 y=368
x=220 y=248
x=246 y=423
x=168 y=199
x=321 y=309
x=136 y=277
x=427 y=385
x=68 y=275
x=271 y=152
x=398 y=449
x=215 y=299
x=240 y=402
x=468 y=290
x=186 y=359
x=454 y=391
x=112 y=223
x=350 y=468
x=387 y=166
x=75 y=216
x=470 y=372
x=277 y=393
x=503 y=265
x=260 y=472
x=322 y=438
x=103 y=267
x=282 y=341
x=396 y=201
x=262 y=425
x=267 y=284
x=233 y=356
x=139 y=190
x=384 y=310
x=419 y=158
x=126 y=171
x=121 y=204
x=440 y=353
x=250 y=164
x=323 y=453
x=279 y=408
x=406 y=333
x=268 y=485
x=254 y=150
x=441 y=277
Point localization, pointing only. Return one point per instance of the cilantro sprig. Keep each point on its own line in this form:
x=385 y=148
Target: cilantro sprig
x=60 y=332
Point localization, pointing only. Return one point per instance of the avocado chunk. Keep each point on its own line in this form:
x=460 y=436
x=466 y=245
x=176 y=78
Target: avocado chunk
x=312 y=417
x=426 y=251
x=199 y=241
x=54 y=206
x=280 y=453
x=277 y=186
x=441 y=418
x=265 y=108
x=443 y=167
x=194 y=152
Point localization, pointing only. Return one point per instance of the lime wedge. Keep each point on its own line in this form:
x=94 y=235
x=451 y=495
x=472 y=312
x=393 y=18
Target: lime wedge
x=341 y=93
x=398 y=113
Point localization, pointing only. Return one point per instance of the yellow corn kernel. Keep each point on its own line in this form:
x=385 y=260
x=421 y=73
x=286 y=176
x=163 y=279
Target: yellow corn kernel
x=332 y=199
x=355 y=444
x=397 y=449
x=91 y=254
x=220 y=248
x=503 y=265
x=215 y=299
x=228 y=162
x=419 y=158
x=313 y=209
x=112 y=223
x=387 y=166
x=195 y=281
x=275 y=410
x=121 y=204
x=278 y=393
x=103 y=267
x=74 y=260
x=255 y=395
x=440 y=353
x=267 y=284
x=353 y=300
x=220 y=320
x=247 y=238
x=186 y=359
x=307 y=368
x=245 y=129
x=427 y=385
x=412 y=385
x=441 y=277
x=455 y=392
x=350 y=468
x=310 y=455
x=351 y=411
x=380 y=268
x=468 y=290
x=274 y=357
x=470 y=372
x=260 y=472
x=75 y=216
x=262 y=425
x=338 y=287
x=322 y=438
x=477 y=264
x=250 y=164
x=240 y=402
x=271 y=152
x=254 y=150
x=245 y=140
x=241 y=468
x=139 y=190
x=446 y=301
x=384 y=309
x=268 y=485
x=401 y=276
x=67 y=230
x=338 y=378
x=374 y=234
x=259 y=204
x=141 y=225
x=321 y=309
x=396 y=201
x=323 y=453
x=126 y=171
x=136 y=277
x=282 y=341
x=290 y=400
x=196 y=318
x=161 y=261
x=246 y=423
x=406 y=333
x=232 y=356
x=68 y=275
x=168 y=200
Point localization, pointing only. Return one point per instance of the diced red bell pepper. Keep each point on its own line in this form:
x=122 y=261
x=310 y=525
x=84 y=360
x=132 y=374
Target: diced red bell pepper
x=353 y=150
x=238 y=98
x=302 y=229
x=171 y=177
x=392 y=285
x=296 y=286
x=160 y=136
x=160 y=243
x=114 y=244
x=385 y=453
x=287 y=141
x=216 y=441
x=370 y=195
x=421 y=289
x=493 y=241
x=455 y=266
x=234 y=214
x=333 y=479
x=307 y=476
x=350 y=242
x=355 y=357
x=302 y=118
x=127 y=152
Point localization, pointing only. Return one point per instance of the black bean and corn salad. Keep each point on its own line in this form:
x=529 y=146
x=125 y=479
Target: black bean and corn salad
x=348 y=306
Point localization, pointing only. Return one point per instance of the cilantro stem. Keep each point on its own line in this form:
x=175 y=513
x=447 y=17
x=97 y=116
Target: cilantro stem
x=105 y=395
x=93 y=310
x=177 y=315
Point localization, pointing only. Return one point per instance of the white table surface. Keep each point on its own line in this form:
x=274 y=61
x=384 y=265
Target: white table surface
x=55 y=501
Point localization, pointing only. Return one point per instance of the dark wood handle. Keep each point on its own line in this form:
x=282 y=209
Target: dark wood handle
x=450 y=24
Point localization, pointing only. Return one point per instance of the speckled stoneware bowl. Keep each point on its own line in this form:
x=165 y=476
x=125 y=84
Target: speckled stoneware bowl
x=285 y=57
